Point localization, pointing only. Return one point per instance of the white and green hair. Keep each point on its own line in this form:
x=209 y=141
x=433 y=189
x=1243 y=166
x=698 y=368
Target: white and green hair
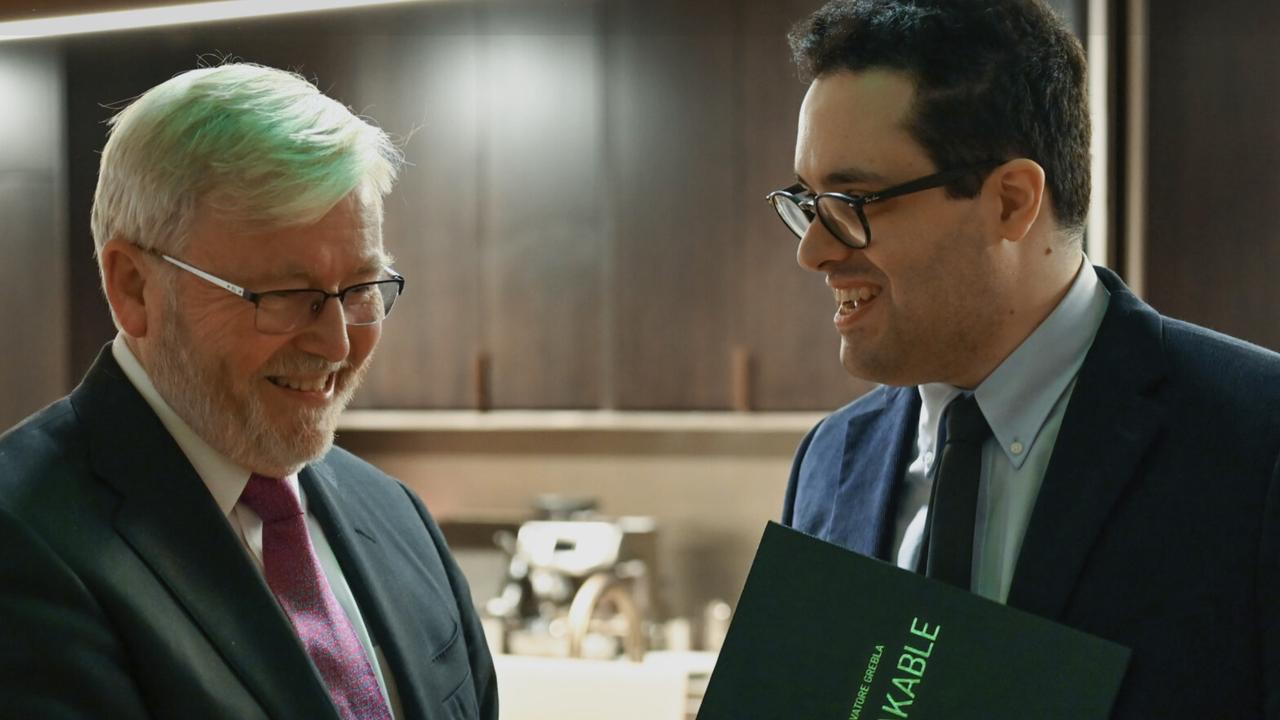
x=255 y=144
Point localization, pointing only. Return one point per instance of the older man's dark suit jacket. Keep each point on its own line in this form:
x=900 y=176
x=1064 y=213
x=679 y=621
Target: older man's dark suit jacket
x=1158 y=521
x=125 y=594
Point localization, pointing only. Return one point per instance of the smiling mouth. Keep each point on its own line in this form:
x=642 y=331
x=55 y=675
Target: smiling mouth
x=323 y=383
x=850 y=299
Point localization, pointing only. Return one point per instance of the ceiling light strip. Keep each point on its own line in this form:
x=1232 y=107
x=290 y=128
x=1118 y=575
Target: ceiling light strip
x=171 y=15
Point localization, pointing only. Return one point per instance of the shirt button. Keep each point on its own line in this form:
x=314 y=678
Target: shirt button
x=1016 y=448
x=928 y=459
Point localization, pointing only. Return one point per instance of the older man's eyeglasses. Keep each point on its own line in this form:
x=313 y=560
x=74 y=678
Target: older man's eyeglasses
x=285 y=311
x=843 y=215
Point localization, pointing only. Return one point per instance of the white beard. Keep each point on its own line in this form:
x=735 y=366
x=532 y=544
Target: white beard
x=233 y=419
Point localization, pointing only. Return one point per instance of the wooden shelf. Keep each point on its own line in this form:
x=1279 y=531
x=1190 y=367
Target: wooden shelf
x=577 y=421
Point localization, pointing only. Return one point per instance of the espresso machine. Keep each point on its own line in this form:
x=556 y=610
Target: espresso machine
x=578 y=583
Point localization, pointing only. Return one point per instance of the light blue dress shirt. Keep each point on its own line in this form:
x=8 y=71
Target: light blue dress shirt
x=1023 y=399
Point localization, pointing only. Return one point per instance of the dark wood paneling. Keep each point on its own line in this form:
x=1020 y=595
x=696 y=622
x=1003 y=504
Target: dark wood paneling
x=582 y=204
x=100 y=75
x=32 y=292
x=1213 y=243
x=33 y=246
x=543 y=241
x=421 y=81
x=669 y=74
x=783 y=313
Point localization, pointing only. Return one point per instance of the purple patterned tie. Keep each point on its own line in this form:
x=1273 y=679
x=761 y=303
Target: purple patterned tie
x=294 y=575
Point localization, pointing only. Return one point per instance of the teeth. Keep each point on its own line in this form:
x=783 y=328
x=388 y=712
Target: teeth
x=304 y=385
x=853 y=297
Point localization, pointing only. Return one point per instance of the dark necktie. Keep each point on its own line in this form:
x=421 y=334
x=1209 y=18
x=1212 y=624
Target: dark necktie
x=295 y=577
x=954 y=502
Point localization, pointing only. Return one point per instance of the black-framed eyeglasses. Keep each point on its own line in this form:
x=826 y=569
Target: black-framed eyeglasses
x=283 y=311
x=842 y=215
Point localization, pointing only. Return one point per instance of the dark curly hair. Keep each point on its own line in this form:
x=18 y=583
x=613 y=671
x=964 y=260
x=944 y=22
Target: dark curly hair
x=995 y=79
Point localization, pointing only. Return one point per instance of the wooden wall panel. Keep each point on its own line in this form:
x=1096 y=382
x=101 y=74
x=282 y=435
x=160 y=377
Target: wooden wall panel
x=100 y=75
x=543 y=239
x=33 y=245
x=783 y=312
x=32 y=293
x=583 y=202
x=669 y=110
x=1213 y=242
x=420 y=81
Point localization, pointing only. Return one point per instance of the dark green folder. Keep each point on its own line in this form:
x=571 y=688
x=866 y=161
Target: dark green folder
x=822 y=633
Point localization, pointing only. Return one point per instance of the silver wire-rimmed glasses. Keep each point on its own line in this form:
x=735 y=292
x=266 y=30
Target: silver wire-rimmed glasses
x=283 y=311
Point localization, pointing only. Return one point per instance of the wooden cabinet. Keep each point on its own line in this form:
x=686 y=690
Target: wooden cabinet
x=33 y=281
x=672 y=197
x=544 y=240
x=424 y=89
x=583 y=205
x=600 y=168
x=784 y=317
x=581 y=221
x=32 y=294
x=1212 y=247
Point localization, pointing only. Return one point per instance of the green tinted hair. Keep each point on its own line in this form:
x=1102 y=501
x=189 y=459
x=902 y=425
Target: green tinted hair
x=254 y=144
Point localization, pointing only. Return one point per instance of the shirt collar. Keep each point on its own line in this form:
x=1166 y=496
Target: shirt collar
x=1017 y=397
x=934 y=399
x=224 y=478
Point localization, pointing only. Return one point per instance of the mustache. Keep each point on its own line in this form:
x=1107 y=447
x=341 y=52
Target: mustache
x=304 y=365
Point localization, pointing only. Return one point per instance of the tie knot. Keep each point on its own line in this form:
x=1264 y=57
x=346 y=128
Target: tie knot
x=965 y=421
x=271 y=498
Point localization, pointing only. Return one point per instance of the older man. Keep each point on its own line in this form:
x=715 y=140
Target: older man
x=1043 y=438
x=179 y=537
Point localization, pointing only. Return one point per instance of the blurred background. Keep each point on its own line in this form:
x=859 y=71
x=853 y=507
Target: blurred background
x=606 y=353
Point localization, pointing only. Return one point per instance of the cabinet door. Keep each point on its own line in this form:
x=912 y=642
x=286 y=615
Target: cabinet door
x=33 y=280
x=672 y=196
x=418 y=76
x=783 y=312
x=497 y=220
x=543 y=239
x=1212 y=247
x=582 y=205
x=33 y=293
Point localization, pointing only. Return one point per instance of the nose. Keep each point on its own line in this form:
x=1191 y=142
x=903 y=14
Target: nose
x=818 y=247
x=327 y=336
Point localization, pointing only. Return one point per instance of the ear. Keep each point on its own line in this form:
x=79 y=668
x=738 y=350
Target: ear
x=125 y=276
x=1019 y=186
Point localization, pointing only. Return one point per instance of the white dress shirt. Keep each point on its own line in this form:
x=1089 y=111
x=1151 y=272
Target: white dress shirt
x=1023 y=400
x=226 y=481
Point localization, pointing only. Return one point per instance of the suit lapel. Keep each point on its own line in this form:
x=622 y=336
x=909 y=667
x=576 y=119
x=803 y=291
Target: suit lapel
x=877 y=444
x=401 y=605
x=1112 y=418
x=168 y=517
